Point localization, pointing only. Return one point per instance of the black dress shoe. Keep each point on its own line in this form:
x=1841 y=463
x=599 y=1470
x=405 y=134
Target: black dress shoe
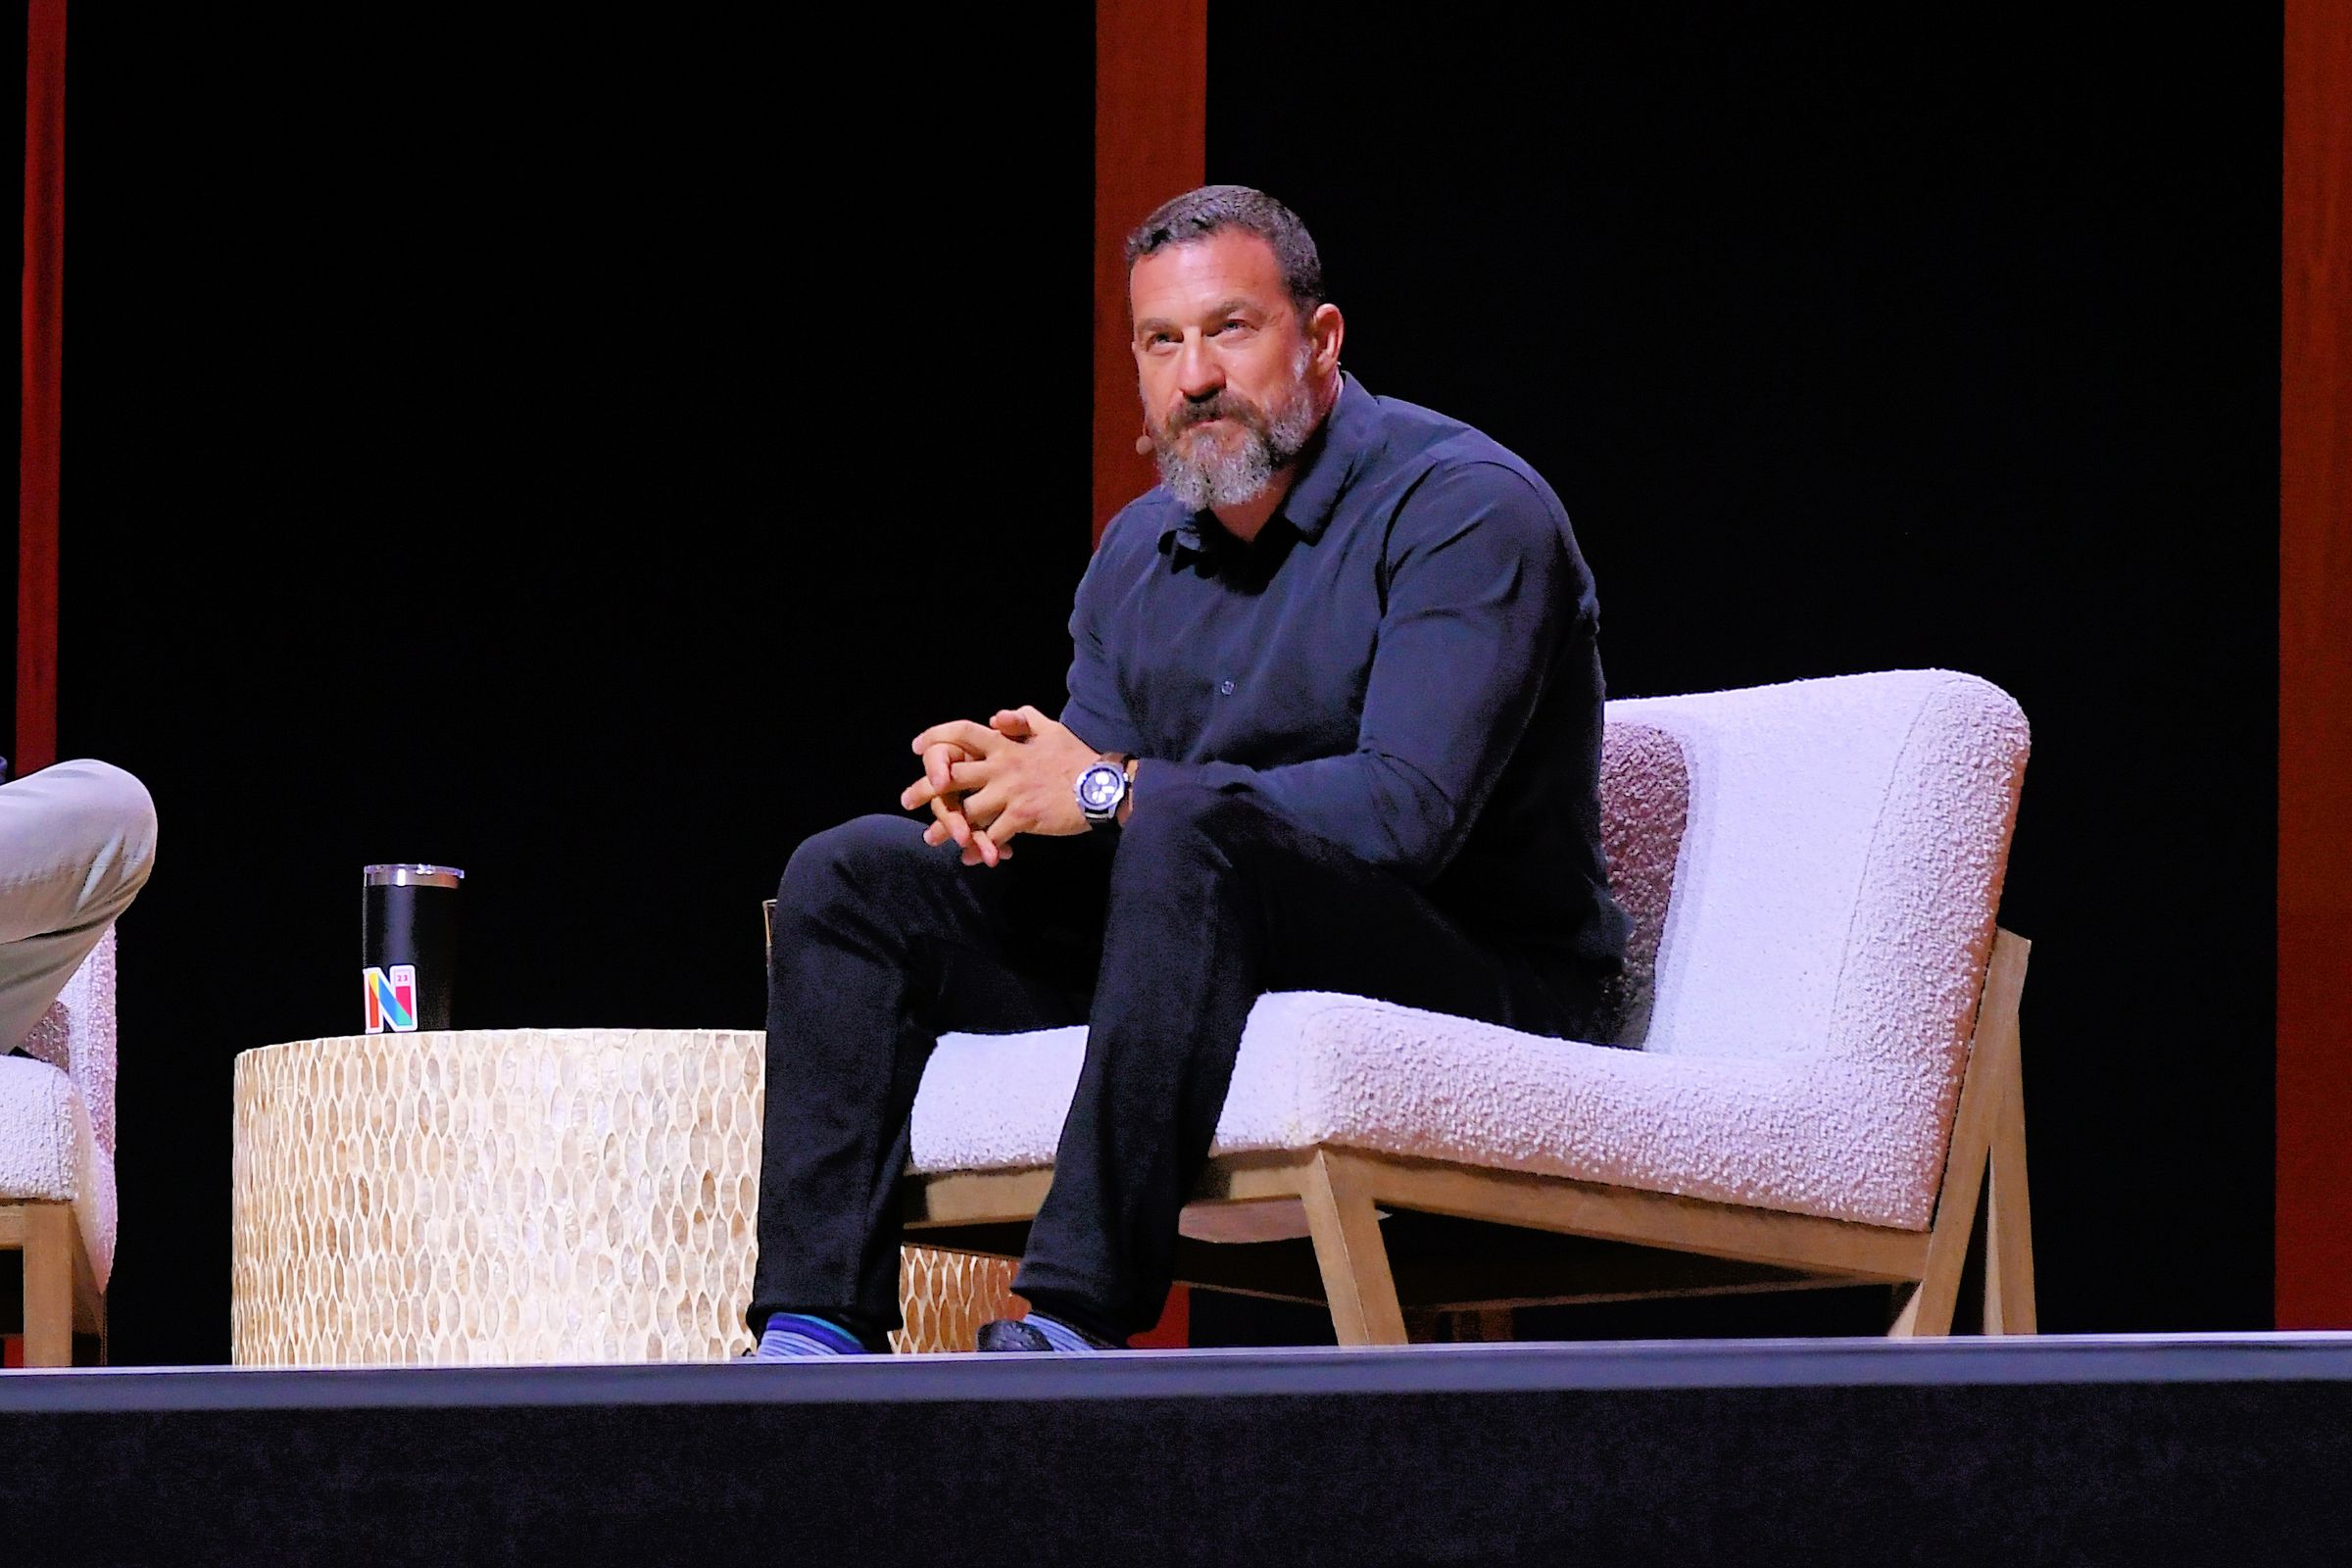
x=1011 y=1334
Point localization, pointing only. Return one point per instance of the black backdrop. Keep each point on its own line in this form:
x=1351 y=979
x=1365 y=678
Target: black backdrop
x=1869 y=346
x=586 y=456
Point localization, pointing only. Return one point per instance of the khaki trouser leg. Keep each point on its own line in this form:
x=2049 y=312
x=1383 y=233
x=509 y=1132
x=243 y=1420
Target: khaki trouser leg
x=76 y=844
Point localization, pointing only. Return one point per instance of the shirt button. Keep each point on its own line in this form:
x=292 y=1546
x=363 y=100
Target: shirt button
x=1226 y=687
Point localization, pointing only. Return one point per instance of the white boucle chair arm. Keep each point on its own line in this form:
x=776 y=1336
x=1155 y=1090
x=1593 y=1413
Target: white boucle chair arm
x=77 y=1037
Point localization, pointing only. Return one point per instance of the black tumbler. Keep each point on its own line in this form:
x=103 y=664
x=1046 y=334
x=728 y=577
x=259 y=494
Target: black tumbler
x=408 y=946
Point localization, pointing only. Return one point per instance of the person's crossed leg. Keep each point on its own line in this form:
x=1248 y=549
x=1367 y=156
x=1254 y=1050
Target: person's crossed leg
x=76 y=842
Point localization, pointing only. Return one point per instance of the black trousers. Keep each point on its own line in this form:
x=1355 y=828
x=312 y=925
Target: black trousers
x=1159 y=936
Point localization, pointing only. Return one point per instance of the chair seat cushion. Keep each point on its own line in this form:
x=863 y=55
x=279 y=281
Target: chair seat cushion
x=1842 y=1138
x=48 y=1153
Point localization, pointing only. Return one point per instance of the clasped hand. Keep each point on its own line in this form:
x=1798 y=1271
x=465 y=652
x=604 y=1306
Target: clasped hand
x=985 y=783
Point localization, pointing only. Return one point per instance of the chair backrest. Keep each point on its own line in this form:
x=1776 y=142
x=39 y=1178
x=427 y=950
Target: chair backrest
x=77 y=1036
x=1813 y=868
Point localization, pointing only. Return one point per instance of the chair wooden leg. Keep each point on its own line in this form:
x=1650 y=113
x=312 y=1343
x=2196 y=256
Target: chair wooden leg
x=2009 y=1226
x=1348 y=1249
x=49 y=1244
x=1928 y=1313
x=1988 y=1099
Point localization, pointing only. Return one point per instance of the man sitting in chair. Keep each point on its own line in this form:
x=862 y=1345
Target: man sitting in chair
x=1334 y=724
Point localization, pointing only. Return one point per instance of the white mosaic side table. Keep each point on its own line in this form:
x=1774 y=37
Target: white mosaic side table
x=505 y=1195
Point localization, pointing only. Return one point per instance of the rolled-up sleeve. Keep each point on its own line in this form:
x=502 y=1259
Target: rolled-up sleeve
x=1482 y=586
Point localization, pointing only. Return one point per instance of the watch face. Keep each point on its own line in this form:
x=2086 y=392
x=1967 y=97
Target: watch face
x=1099 y=787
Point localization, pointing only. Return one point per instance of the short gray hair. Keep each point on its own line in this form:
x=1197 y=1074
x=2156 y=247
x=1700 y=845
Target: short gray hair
x=1198 y=214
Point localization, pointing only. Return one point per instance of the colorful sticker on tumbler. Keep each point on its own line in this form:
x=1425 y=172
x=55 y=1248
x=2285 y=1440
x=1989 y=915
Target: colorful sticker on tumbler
x=391 y=999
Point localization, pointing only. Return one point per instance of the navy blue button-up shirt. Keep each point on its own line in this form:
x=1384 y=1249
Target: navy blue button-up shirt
x=1405 y=661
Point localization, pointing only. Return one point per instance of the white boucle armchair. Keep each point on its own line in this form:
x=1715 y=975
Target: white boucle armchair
x=1821 y=1062
x=57 y=1161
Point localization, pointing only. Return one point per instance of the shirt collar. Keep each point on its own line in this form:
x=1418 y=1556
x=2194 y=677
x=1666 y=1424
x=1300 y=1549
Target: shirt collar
x=1329 y=462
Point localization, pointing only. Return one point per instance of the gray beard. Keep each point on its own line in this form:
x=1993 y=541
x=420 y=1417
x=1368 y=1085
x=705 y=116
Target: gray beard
x=1233 y=473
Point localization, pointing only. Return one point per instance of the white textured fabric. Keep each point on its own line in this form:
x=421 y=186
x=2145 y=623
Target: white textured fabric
x=47 y=1154
x=57 y=1111
x=1828 y=912
x=78 y=1034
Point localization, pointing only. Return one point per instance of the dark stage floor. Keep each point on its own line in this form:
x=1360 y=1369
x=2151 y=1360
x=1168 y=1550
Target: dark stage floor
x=2139 y=1449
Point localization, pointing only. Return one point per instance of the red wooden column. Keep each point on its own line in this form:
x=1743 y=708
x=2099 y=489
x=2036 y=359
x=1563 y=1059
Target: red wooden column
x=44 y=290
x=1151 y=140
x=2314 y=1234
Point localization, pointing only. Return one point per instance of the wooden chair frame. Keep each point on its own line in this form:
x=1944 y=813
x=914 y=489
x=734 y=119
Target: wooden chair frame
x=61 y=1288
x=1563 y=1239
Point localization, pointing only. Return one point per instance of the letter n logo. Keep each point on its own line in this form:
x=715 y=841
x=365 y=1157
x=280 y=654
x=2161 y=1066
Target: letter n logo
x=391 y=999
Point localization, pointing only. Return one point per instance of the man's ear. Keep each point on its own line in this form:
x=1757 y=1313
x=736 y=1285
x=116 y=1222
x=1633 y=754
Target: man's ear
x=1327 y=328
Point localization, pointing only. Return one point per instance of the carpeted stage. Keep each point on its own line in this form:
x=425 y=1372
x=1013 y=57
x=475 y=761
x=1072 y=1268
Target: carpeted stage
x=2157 y=1449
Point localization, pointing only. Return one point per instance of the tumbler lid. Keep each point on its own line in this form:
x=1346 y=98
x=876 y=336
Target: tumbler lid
x=410 y=876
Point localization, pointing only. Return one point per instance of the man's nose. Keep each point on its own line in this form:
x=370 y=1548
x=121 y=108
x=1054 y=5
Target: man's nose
x=1197 y=373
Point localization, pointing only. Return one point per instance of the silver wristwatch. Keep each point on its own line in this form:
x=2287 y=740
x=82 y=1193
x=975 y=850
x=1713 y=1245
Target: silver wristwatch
x=1102 y=789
